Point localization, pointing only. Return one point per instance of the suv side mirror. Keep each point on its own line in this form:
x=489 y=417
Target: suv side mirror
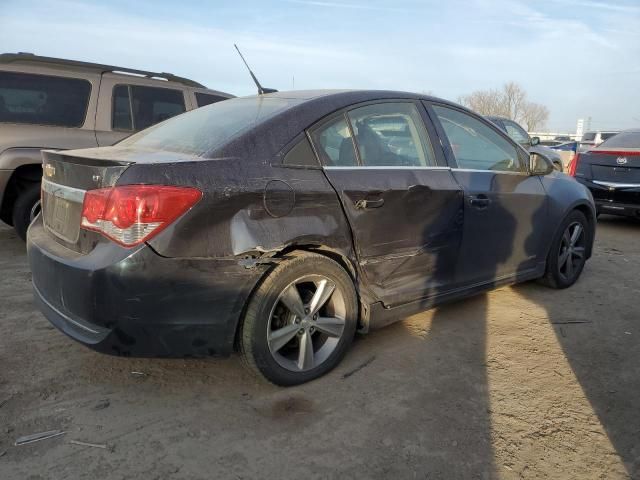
x=539 y=165
x=535 y=141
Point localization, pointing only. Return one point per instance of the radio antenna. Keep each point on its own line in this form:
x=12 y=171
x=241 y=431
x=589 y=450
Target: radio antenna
x=261 y=90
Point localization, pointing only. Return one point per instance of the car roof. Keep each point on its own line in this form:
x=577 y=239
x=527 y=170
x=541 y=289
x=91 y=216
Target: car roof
x=307 y=108
x=30 y=58
x=348 y=97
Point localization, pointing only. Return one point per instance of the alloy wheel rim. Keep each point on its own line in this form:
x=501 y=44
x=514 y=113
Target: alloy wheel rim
x=306 y=323
x=572 y=251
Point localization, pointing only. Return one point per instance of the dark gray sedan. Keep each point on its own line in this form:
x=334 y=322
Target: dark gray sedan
x=281 y=224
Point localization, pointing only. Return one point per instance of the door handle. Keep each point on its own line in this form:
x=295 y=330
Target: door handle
x=479 y=201
x=362 y=204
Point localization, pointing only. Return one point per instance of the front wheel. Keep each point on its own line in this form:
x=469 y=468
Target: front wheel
x=568 y=252
x=300 y=321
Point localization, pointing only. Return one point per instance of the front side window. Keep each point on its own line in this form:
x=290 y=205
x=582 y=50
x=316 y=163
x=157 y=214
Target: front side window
x=204 y=99
x=43 y=99
x=516 y=132
x=334 y=143
x=137 y=107
x=476 y=145
x=391 y=135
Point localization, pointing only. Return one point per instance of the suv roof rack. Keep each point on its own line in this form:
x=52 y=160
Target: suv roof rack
x=97 y=67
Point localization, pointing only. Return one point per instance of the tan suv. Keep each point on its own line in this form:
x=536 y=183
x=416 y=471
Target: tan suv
x=64 y=104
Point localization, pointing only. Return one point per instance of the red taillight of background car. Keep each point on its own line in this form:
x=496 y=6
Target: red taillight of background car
x=132 y=214
x=573 y=165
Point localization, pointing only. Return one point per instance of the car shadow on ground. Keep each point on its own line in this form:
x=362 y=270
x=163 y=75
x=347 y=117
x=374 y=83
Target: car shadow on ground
x=600 y=341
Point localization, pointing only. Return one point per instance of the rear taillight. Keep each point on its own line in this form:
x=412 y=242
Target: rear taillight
x=574 y=165
x=132 y=214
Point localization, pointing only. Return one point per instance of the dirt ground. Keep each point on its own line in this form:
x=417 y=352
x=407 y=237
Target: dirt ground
x=524 y=382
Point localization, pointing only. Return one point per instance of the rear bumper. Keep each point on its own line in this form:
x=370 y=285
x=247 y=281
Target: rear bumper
x=614 y=199
x=613 y=208
x=137 y=303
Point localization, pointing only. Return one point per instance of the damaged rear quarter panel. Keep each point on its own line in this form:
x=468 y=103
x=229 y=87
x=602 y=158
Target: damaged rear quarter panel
x=248 y=207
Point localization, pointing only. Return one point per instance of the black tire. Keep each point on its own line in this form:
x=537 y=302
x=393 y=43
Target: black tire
x=254 y=332
x=23 y=209
x=557 y=271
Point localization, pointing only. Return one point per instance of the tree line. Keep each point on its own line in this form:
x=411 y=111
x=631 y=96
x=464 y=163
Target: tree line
x=510 y=101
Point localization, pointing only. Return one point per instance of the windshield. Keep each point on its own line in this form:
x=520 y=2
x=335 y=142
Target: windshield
x=201 y=130
x=623 y=140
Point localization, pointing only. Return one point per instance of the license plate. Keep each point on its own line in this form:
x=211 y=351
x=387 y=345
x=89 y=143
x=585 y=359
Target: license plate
x=60 y=217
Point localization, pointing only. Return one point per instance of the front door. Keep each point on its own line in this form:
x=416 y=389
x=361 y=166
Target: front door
x=403 y=204
x=504 y=206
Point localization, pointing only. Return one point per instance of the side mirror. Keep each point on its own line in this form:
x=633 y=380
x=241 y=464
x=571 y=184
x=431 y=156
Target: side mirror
x=535 y=141
x=539 y=165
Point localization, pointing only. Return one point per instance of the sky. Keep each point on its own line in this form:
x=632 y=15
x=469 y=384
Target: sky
x=580 y=58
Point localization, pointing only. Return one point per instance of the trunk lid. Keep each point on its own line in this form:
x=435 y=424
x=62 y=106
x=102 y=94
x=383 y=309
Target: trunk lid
x=619 y=166
x=66 y=178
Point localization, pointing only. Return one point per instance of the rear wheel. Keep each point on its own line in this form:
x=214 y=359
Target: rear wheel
x=568 y=252
x=25 y=209
x=300 y=321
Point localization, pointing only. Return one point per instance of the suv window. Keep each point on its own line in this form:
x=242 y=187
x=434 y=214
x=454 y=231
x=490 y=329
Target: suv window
x=137 y=107
x=589 y=137
x=43 y=99
x=203 y=99
x=391 y=135
x=334 y=143
x=476 y=145
x=516 y=132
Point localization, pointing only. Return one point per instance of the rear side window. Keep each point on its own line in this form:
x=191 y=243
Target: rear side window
x=301 y=155
x=137 y=107
x=334 y=143
x=607 y=135
x=391 y=135
x=43 y=99
x=204 y=99
x=623 y=140
x=589 y=137
x=476 y=145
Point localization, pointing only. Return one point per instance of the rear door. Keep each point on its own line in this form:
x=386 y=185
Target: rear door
x=402 y=202
x=505 y=208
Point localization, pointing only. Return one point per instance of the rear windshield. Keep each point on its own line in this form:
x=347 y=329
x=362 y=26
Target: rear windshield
x=201 y=130
x=623 y=140
x=43 y=99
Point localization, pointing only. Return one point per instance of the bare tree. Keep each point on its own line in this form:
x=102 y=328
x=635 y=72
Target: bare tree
x=514 y=98
x=510 y=101
x=534 y=116
x=485 y=102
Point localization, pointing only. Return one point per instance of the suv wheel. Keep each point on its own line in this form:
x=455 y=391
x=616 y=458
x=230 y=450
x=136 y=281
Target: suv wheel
x=300 y=321
x=25 y=209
